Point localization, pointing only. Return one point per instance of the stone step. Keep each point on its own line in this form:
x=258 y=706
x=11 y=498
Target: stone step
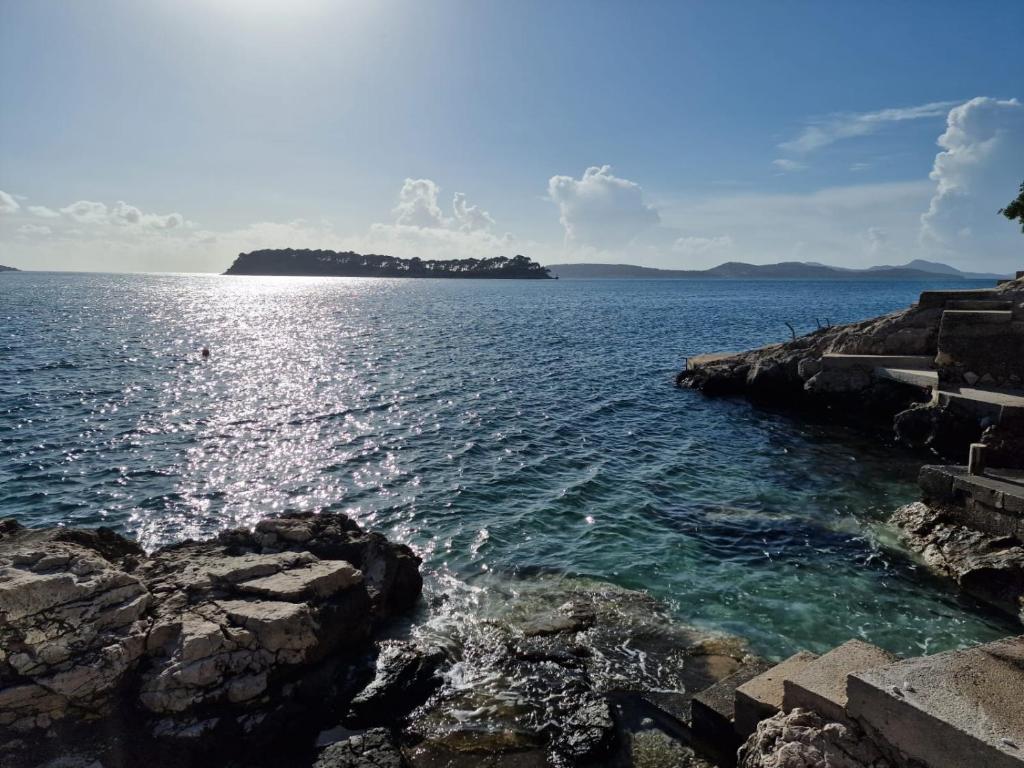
x=712 y=711
x=985 y=503
x=976 y=317
x=916 y=378
x=976 y=304
x=951 y=710
x=938 y=299
x=761 y=697
x=821 y=685
x=912 y=362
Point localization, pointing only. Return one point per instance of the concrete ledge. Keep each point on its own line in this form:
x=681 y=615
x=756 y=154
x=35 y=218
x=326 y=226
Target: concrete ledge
x=951 y=710
x=820 y=686
x=761 y=697
x=918 y=362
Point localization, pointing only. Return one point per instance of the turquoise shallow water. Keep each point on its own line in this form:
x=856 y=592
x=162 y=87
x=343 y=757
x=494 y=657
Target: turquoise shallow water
x=501 y=428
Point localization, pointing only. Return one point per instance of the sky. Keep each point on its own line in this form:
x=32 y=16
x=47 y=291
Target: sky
x=170 y=135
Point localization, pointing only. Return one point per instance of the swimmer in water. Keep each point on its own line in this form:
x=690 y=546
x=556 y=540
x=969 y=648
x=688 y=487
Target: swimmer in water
x=206 y=352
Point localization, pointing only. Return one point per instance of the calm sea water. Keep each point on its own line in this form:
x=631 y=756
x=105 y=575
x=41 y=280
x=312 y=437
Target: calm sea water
x=500 y=428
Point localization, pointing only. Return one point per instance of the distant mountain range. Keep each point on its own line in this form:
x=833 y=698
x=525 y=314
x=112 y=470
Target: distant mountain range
x=8 y=269
x=918 y=269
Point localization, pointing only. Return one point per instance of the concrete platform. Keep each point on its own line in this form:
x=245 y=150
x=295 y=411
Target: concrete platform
x=917 y=362
x=761 y=697
x=951 y=710
x=913 y=377
x=977 y=316
x=982 y=304
x=821 y=685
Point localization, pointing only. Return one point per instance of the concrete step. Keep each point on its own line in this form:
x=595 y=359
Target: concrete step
x=934 y=299
x=912 y=362
x=991 y=304
x=976 y=317
x=761 y=697
x=712 y=711
x=917 y=378
x=951 y=710
x=821 y=685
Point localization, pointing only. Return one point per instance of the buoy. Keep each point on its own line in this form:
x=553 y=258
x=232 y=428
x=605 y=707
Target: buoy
x=206 y=351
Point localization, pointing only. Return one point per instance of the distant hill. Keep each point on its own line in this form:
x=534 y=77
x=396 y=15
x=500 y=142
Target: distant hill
x=320 y=263
x=8 y=269
x=787 y=270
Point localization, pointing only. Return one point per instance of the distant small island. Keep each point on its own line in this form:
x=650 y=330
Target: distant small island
x=787 y=270
x=320 y=263
x=8 y=269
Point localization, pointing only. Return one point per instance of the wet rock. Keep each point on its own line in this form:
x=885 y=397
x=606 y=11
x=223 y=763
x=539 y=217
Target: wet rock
x=545 y=670
x=373 y=749
x=946 y=430
x=990 y=568
x=405 y=676
x=655 y=749
x=971 y=378
x=802 y=739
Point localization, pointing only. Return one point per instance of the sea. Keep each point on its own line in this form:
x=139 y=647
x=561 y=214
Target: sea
x=505 y=430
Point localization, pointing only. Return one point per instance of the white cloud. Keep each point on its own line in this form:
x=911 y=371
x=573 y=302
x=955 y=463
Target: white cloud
x=86 y=212
x=700 y=246
x=469 y=217
x=785 y=164
x=832 y=128
x=34 y=229
x=417 y=204
x=877 y=240
x=43 y=212
x=7 y=203
x=977 y=172
x=600 y=209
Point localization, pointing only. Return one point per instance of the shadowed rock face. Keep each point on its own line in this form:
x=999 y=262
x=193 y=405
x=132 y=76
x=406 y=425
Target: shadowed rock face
x=198 y=644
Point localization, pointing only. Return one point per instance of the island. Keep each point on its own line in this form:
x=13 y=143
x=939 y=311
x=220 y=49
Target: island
x=918 y=269
x=8 y=269
x=321 y=263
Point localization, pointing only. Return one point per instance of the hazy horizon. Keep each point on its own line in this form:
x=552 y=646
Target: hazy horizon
x=170 y=136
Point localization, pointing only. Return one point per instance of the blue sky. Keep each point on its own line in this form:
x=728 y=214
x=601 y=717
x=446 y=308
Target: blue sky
x=171 y=135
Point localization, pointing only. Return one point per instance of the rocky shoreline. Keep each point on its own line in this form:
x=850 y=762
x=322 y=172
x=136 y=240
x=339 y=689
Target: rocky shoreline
x=289 y=645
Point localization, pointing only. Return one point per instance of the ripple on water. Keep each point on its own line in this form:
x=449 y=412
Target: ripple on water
x=497 y=427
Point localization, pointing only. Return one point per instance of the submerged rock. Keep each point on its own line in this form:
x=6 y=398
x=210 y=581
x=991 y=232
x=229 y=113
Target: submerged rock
x=374 y=749
x=554 y=671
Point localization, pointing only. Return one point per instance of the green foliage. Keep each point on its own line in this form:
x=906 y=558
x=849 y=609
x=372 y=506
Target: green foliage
x=1015 y=210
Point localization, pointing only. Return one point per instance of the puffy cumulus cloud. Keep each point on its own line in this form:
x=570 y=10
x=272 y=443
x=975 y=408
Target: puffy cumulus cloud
x=821 y=132
x=7 y=203
x=977 y=171
x=43 y=212
x=877 y=239
x=469 y=218
x=600 y=209
x=417 y=204
x=86 y=212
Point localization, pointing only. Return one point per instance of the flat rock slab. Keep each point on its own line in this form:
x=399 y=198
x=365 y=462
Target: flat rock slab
x=953 y=709
x=761 y=697
x=820 y=686
x=319 y=579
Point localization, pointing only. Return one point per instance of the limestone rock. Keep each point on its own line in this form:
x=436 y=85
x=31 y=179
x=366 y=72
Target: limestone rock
x=802 y=739
x=372 y=749
x=405 y=676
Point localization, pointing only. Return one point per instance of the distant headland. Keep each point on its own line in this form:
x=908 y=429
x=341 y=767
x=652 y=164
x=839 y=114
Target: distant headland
x=310 y=263
x=8 y=269
x=787 y=270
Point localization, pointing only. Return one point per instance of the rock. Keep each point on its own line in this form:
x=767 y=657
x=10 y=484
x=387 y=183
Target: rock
x=947 y=430
x=839 y=381
x=989 y=567
x=802 y=739
x=971 y=378
x=808 y=366
x=373 y=749
x=654 y=749
x=199 y=642
x=405 y=676
x=988 y=379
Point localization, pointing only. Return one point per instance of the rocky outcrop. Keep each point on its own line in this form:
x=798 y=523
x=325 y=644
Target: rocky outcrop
x=803 y=739
x=988 y=567
x=194 y=646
